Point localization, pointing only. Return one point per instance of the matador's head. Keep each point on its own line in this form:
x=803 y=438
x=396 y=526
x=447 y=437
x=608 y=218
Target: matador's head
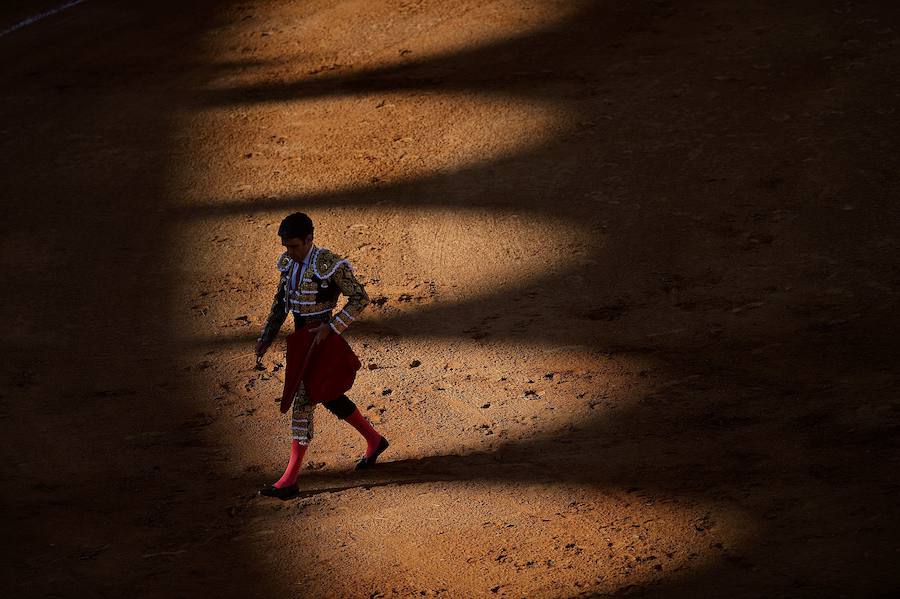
x=296 y=232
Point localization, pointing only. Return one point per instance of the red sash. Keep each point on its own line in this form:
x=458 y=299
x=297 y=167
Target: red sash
x=327 y=370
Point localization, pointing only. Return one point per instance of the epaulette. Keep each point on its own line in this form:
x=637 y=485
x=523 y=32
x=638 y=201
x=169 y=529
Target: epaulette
x=326 y=262
x=284 y=262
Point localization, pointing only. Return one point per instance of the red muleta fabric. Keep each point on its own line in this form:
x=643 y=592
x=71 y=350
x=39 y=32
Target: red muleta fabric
x=327 y=372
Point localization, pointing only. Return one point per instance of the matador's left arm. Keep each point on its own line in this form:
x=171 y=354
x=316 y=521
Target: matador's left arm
x=357 y=298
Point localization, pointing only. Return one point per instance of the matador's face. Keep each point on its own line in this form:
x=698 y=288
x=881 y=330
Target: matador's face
x=297 y=248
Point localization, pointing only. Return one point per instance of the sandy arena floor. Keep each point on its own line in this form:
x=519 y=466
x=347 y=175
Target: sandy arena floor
x=635 y=269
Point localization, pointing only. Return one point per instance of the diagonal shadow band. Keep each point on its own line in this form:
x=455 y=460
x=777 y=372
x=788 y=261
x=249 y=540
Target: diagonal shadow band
x=591 y=27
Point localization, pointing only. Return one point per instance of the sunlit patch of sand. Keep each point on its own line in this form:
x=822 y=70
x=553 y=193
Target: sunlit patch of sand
x=480 y=530
x=306 y=147
x=468 y=538
x=459 y=253
x=317 y=39
x=280 y=122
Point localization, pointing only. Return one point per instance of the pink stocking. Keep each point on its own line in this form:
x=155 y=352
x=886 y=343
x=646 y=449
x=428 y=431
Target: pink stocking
x=293 y=468
x=373 y=437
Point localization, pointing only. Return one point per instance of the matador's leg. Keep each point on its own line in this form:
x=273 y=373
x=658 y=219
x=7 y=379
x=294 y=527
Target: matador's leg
x=301 y=435
x=345 y=409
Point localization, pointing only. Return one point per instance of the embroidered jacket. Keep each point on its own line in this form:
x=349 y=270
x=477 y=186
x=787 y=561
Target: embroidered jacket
x=313 y=293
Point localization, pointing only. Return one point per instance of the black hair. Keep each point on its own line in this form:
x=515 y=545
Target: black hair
x=295 y=226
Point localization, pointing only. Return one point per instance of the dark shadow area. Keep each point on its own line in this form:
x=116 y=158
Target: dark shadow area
x=109 y=487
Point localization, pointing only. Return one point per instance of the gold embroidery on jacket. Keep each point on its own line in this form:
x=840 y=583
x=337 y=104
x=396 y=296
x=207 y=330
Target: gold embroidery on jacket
x=300 y=296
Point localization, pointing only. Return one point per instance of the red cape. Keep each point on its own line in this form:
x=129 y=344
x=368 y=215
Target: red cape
x=327 y=370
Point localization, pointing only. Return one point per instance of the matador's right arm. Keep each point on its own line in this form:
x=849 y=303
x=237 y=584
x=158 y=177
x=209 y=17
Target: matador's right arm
x=277 y=315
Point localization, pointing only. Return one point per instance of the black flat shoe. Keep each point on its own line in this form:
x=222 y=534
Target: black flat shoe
x=281 y=493
x=365 y=462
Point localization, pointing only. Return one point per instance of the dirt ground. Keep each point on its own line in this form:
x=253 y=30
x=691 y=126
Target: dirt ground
x=634 y=269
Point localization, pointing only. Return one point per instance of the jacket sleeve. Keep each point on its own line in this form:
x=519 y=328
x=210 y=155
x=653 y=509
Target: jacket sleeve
x=357 y=298
x=277 y=315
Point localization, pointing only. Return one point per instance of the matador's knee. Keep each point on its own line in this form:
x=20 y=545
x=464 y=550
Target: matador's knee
x=341 y=407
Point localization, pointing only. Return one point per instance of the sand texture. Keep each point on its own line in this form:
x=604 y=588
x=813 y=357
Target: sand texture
x=634 y=270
